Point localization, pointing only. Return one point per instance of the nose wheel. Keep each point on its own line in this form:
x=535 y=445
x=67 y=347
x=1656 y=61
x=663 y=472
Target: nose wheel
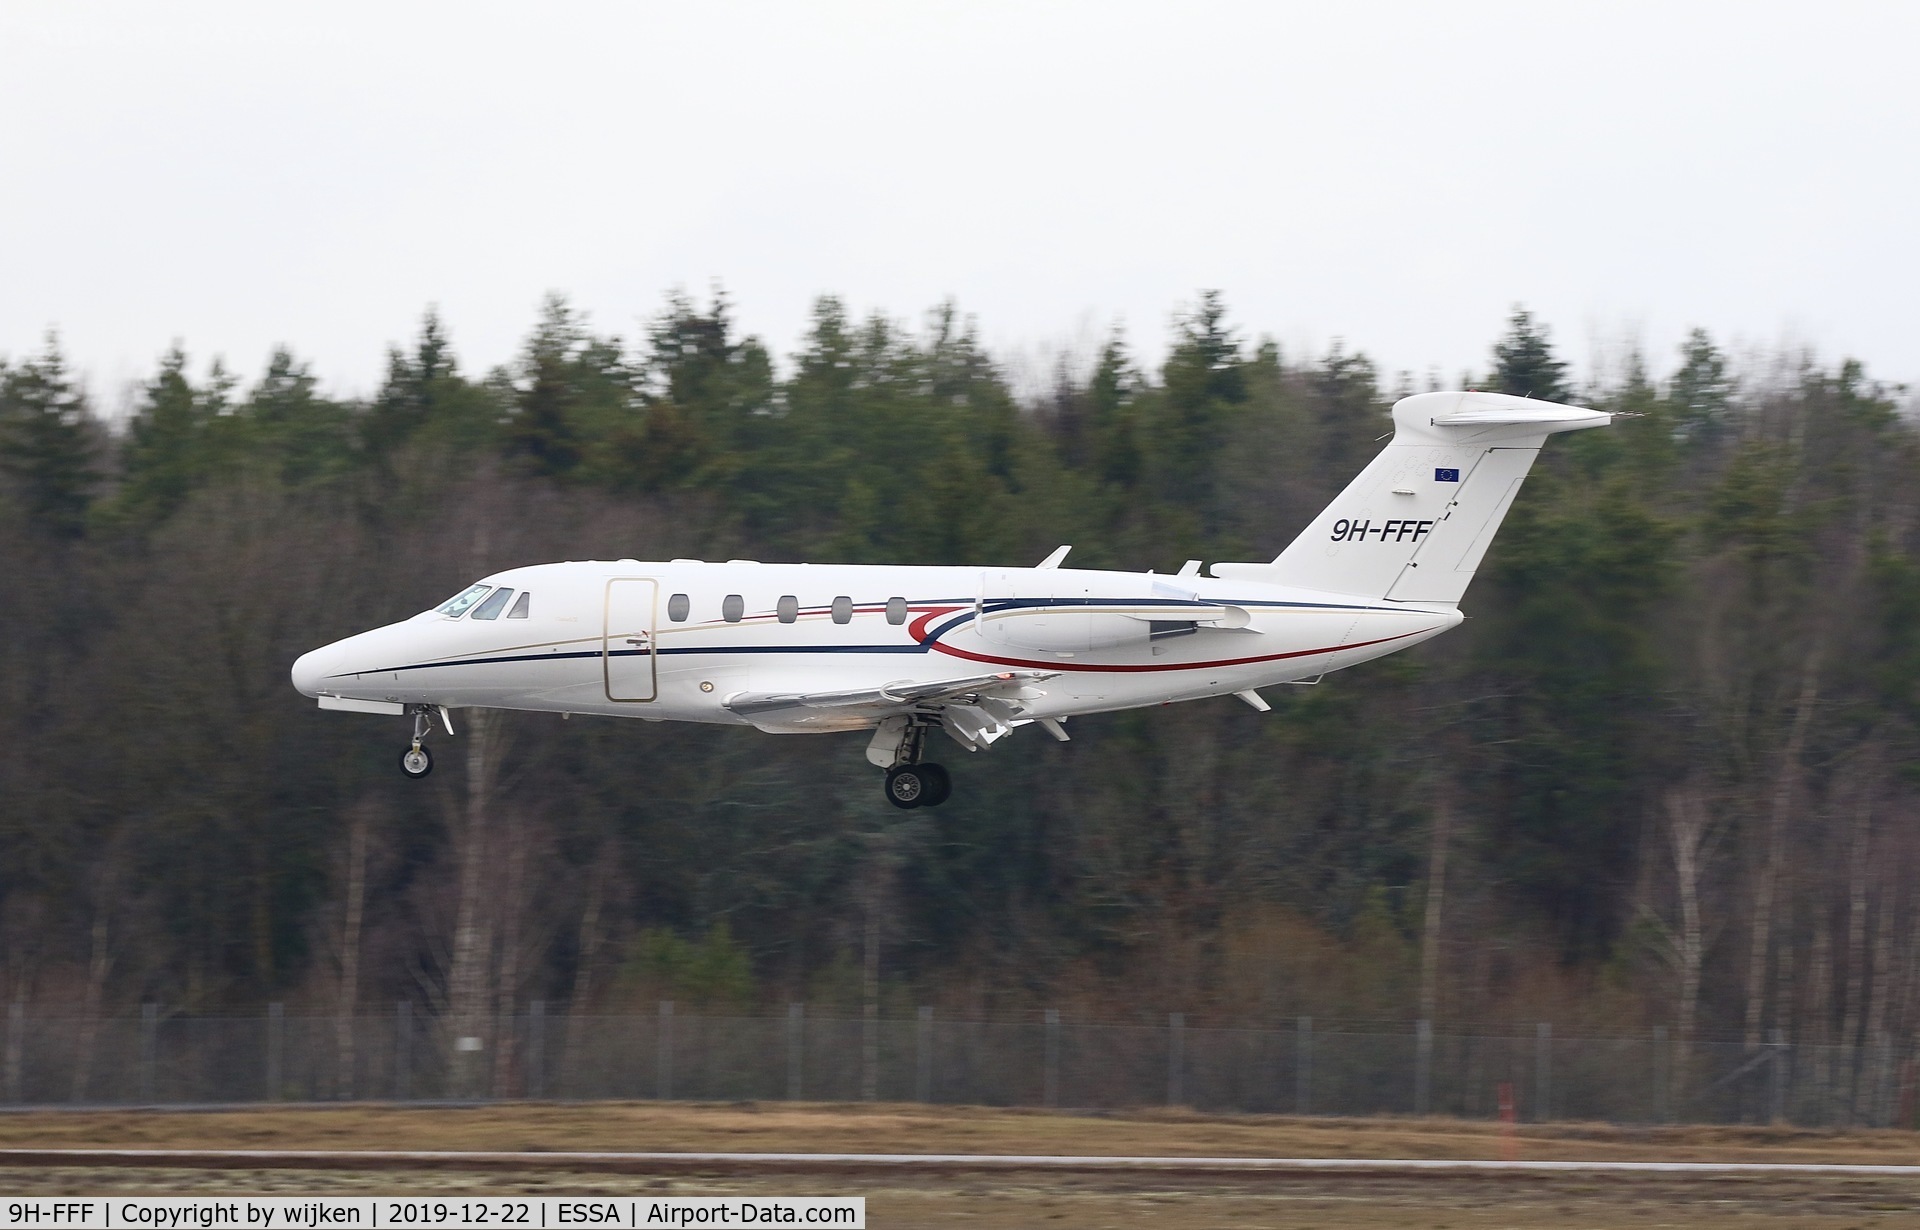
x=918 y=785
x=416 y=762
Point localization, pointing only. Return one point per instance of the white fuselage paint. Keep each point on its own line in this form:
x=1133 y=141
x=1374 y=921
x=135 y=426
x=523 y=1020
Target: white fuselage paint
x=597 y=639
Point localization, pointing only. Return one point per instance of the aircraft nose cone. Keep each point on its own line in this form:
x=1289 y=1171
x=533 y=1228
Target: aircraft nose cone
x=308 y=673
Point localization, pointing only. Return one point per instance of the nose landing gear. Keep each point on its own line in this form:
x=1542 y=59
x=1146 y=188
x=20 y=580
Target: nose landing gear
x=416 y=762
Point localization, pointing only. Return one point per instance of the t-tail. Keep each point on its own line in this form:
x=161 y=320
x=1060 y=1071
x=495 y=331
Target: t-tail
x=1416 y=523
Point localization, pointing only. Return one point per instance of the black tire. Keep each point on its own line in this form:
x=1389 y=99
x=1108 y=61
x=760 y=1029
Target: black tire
x=907 y=785
x=416 y=769
x=939 y=785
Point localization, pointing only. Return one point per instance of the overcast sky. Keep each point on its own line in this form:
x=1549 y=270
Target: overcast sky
x=236 y=175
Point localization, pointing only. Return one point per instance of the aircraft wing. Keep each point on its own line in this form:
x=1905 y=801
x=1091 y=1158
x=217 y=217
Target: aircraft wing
x=890 y=698
x=974 y=711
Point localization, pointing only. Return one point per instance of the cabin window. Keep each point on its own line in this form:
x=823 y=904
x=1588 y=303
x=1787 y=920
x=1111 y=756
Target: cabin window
x=789 y=608
x=456 y=606
x=843 y=610
x=519 y=610
x=677 y=608
x=896 y=610
x=732 y=608
x=491 y=608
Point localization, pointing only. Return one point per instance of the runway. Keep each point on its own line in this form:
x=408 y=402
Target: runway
x=711 y=1163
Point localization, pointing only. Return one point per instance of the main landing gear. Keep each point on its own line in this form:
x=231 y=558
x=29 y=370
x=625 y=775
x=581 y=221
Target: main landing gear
x=416 y=762
x=912 y=782
x=918 y=785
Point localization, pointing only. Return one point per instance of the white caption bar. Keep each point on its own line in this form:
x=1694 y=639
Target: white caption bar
x=402 y=1213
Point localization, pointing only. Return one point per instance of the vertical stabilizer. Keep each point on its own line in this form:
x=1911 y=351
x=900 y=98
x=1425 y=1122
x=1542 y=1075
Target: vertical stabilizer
x=1416 y=523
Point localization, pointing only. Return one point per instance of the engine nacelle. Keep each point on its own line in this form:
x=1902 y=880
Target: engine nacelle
x=1066 y=611
x=1063 y=629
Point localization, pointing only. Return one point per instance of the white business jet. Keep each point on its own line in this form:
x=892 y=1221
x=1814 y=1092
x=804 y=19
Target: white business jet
x=973 y=653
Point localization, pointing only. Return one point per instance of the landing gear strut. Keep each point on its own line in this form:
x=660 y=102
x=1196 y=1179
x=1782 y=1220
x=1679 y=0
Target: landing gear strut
x=416 y=762
x=912 y=783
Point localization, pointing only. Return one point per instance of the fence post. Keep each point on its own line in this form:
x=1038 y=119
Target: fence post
x=1050 y=1074
x=923 y=1055
x=1543 y=1072
x=1303 y=1066
x=149 y=1026
x=16 y=1046
x=1882 y=1080
x=665 y=1058
x=1777 y=1076
x=537 y=1049
x=1176 y=1056
x=796 y=1021
x=1660 y=1077
x=870 y=1051
x=275 y=1037
x=402 y=1051
x=1423 y=1068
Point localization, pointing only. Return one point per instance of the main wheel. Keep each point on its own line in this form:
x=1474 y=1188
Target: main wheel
x=939 y=785
x=416 y=762
x=907 y=786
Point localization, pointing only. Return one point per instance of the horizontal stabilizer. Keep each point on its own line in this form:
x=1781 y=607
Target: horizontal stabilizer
x=1544 y=414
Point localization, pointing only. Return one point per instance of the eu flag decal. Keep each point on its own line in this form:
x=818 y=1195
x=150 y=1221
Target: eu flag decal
x=1446 y=476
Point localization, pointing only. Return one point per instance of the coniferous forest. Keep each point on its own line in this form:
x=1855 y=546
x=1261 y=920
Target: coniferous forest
x=1666 y=774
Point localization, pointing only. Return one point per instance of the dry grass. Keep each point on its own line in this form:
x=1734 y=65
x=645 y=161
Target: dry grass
x=1087 y=1202
x=1066 y=1202
x=822 y=1128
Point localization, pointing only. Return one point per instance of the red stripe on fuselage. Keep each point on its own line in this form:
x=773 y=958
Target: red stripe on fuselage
x=1169 y=666
x=918 y=628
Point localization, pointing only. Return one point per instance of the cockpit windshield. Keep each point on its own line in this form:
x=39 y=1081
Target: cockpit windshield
x=456 y=606
x=491 y=608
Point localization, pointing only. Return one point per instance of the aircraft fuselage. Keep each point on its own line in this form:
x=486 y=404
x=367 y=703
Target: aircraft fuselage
x=601 y=638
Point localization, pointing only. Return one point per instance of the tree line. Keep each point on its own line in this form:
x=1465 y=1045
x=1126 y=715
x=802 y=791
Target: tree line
x=1664 y=775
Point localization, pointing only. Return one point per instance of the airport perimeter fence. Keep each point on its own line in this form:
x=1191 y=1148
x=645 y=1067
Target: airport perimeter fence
x=1298 y=1068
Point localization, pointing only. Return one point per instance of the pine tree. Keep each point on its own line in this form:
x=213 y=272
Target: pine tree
x=46 y=443
x=1346 y=406
x=167 y=450
x=1524 y=363
x=1702 y=390
x=425 y=394
x=544 y=434
x=706 y=396
x=311 y=436
x=1111 y=424
x=690 y=353
x=1203 y=383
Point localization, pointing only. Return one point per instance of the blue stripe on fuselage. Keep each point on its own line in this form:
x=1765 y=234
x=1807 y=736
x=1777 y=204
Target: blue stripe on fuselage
x=959 y=618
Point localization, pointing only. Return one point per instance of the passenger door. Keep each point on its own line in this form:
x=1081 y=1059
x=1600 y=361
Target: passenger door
x=626 y=639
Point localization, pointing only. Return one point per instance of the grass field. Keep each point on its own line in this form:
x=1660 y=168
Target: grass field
x=1026 y=1198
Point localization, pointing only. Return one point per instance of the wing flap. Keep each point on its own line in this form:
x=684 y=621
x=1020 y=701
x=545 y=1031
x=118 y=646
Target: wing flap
x=1002 y=690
